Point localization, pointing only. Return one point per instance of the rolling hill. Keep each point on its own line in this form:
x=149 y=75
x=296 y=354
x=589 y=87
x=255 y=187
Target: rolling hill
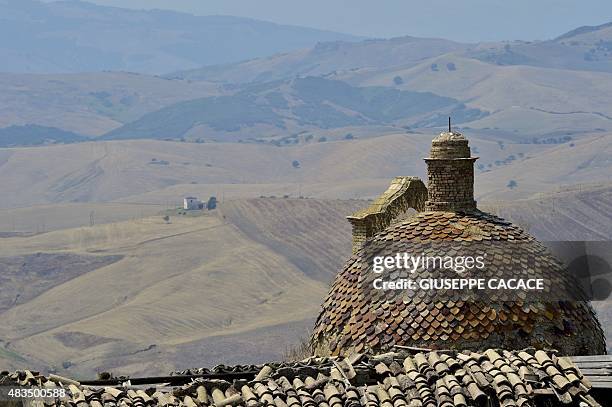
x=162 y=172
x=295 y=106
x=586 y=161
x=89 y=104
x=523 y=101
x=325 y=58
x=574 y=213
x=75 y=36
x=586 y=48
x=191 y=292
x=535 y=89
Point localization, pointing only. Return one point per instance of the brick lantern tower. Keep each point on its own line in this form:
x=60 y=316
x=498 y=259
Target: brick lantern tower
x=450 y=172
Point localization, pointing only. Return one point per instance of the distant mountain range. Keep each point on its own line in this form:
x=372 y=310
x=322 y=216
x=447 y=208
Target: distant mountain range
x=75 y=36
x=527 y=92
x=585 y=48
x=328 y=58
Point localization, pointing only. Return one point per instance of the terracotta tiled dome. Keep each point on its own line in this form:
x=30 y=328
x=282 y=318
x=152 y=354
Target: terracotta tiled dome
x=356 y=319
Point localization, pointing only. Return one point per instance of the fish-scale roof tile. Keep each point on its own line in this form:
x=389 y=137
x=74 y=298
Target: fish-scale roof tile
x=420 y=320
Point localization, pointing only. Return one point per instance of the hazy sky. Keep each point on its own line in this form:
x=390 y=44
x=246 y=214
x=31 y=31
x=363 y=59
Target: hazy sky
x=465 y=20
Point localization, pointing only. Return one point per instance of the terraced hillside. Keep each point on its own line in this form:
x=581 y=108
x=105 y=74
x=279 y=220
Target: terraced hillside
x=285 y=226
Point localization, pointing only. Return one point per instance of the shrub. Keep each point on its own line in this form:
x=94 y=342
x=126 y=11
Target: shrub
x=300 y=351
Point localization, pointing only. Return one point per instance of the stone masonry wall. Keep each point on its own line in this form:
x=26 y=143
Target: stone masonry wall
x=403 y=194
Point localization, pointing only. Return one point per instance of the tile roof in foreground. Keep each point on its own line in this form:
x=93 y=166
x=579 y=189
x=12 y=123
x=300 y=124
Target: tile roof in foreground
x=396 y=379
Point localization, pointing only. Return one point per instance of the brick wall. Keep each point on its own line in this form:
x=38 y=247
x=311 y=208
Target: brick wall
x=450 y=173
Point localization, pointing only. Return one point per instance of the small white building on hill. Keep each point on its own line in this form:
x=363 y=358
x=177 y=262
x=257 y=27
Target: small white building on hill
x=191 y=203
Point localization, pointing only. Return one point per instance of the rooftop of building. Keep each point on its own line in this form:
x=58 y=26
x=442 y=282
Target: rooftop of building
x=402 y=378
